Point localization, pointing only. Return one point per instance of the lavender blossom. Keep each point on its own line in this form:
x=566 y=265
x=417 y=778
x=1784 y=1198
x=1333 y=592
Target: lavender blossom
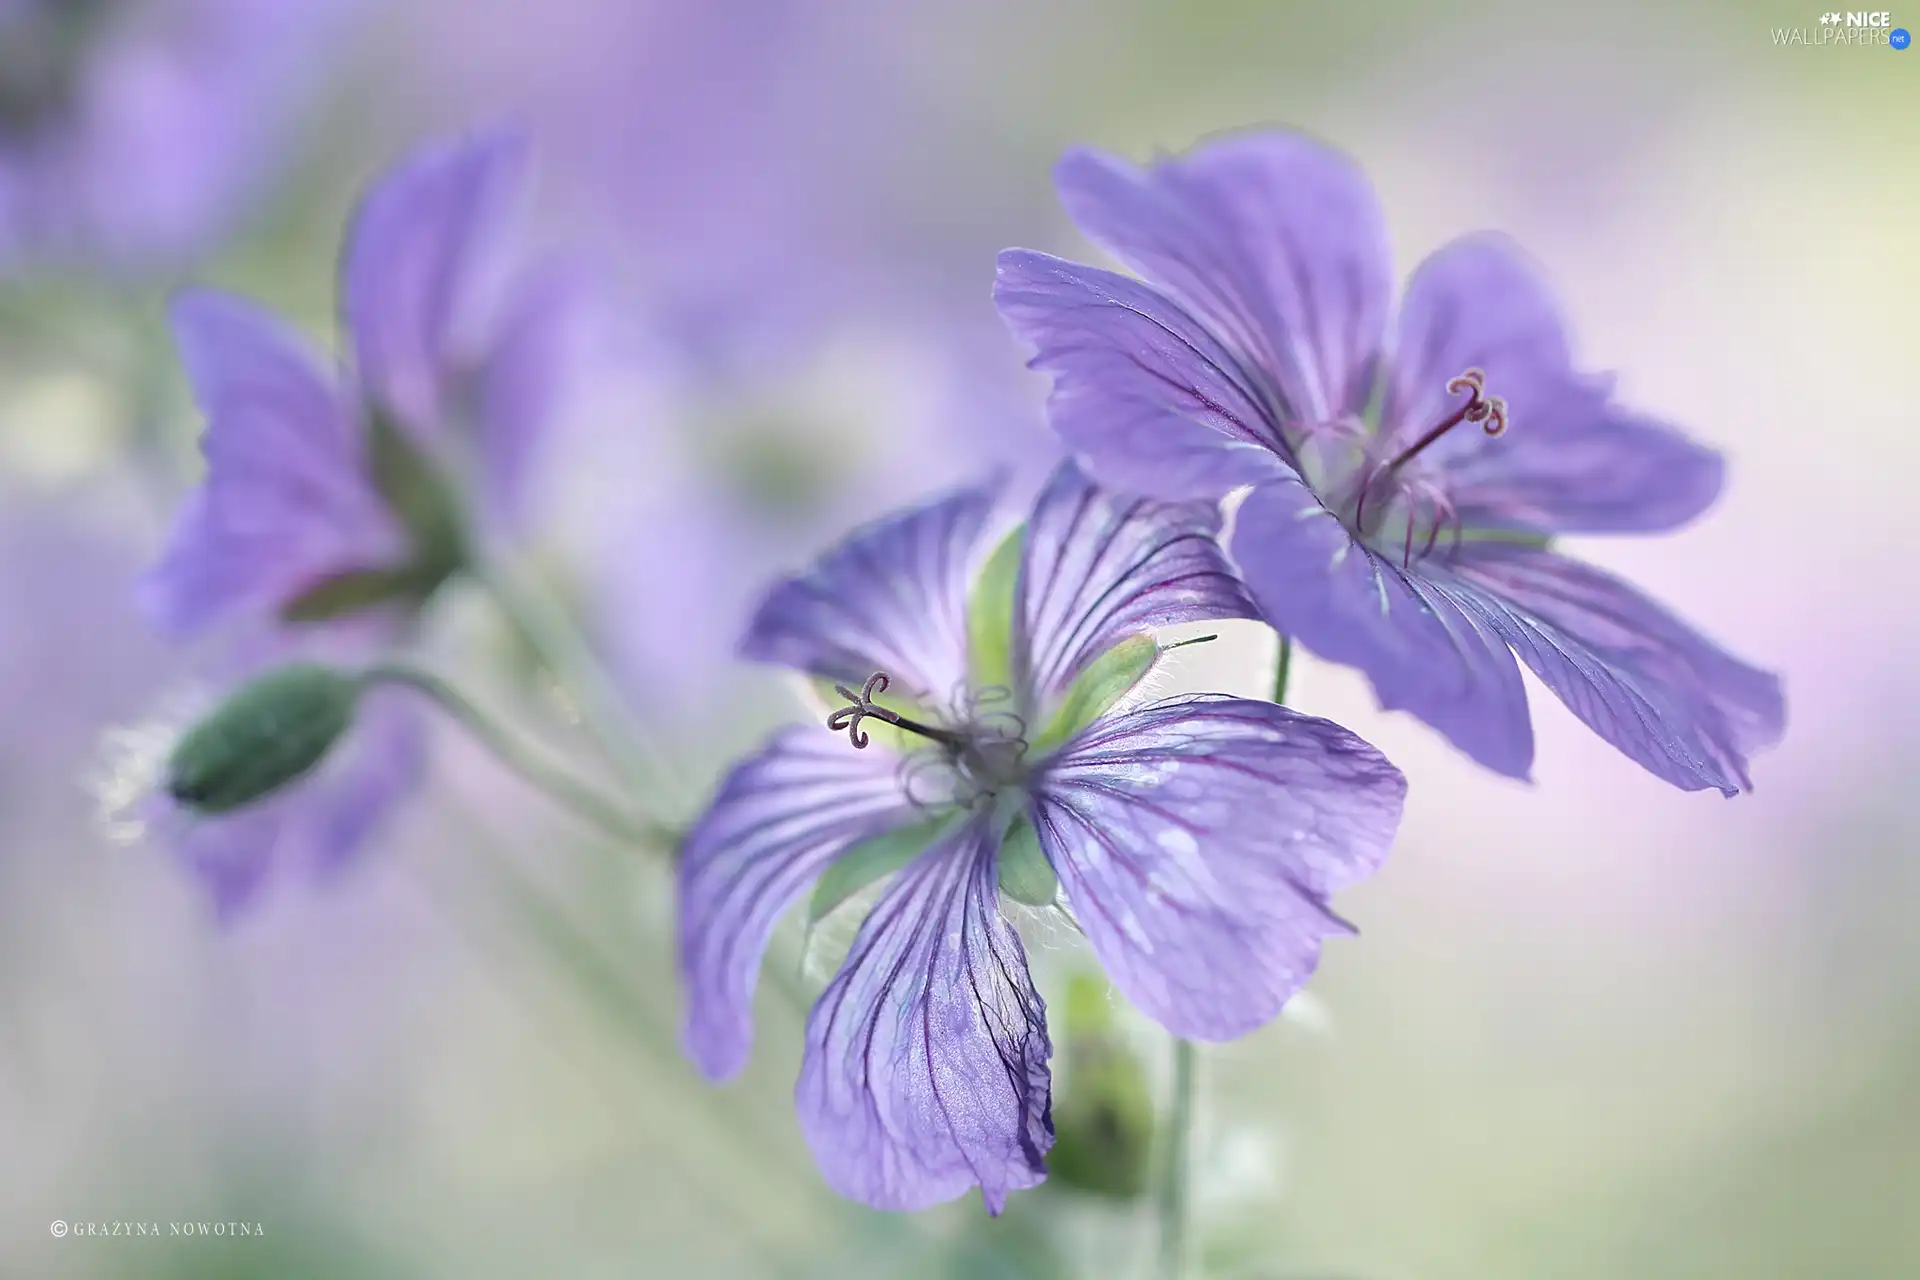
x=132 y=131
x=333 y=504
x=1196 y=840
x=1385 y=527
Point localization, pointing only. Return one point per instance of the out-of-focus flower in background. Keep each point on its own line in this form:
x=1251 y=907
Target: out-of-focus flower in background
x=791 y=207
x=1381 y=529
x=134 y=133
x=334 y=507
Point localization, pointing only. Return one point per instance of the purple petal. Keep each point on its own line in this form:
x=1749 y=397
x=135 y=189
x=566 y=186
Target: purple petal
x=1198 y=841
x=380 y=765
x=1099 y=567
x=892 y=597
x=1648 y=683
x=1142 y=391
x=418 y=258
x=779 y=819
x=287 y=499
x=1275 y=239
x=926 y=1063
x=520 y=387
x=1591 y=467
x=1569 y=461
x=1421 y=649
x=232 y=856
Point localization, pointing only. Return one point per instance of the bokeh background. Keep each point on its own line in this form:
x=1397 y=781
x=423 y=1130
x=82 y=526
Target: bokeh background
x=1593 y=1027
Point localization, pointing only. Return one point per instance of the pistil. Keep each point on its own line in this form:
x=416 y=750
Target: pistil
x=861 y=706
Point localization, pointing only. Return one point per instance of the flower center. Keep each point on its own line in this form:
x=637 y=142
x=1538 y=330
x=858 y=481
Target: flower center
x=1397 y=512
x=977 y=759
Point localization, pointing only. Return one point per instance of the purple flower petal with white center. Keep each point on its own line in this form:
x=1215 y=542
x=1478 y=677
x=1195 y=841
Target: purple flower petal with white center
x=891 y=597
x=780 y=818
x=1264 y=331
x=1203 y=836
x=926 y=1065
x=1098 y=567
x=926 y=1062
x=288 y=499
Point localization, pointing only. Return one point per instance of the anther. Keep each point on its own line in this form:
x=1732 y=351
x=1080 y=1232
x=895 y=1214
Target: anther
x=1489 y=411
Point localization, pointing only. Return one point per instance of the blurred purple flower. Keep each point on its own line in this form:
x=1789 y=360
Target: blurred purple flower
x=799 y=242
x=133 y=131
x=1197 y=839
x=332 y=506
x=1382 y=529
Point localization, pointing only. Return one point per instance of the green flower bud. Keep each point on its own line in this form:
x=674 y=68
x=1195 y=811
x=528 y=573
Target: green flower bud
x=270 y=732
x=1103 y=1115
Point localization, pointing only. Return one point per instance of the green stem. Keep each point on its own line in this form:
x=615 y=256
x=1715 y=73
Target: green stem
x=1176 y=1151
x=572 y=665
x=604 y=983
x=1175 y=1159
x=564 y=790
x=1281 y=666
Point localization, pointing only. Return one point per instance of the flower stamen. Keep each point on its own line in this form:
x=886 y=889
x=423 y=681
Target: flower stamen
x=1489 y=411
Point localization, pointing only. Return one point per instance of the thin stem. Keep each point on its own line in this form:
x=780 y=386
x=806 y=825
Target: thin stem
x=1175 y=1162
x=1281 y=666
x=563 y=651
x=1176 y=1150
x=601 y=980
x=581 y=799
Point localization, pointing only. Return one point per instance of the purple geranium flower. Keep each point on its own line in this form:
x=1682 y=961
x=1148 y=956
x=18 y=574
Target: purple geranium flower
x=330 y=510
x=1382 y=529
x=1197 y=840
x=133 y=130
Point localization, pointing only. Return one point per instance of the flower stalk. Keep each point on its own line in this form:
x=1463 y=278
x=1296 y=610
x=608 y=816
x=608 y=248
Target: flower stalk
x=571 y=794
x=1176 y=1173
x=579 y=674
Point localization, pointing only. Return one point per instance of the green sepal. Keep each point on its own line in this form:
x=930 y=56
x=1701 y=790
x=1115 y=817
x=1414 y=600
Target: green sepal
x=990 y=615
x=269 y=733
x=427 y=508
x=1025 y=874
x=1503 y=537
x=354 y=591
x=420 y=496
x=1107 y=679
x=869 y=860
